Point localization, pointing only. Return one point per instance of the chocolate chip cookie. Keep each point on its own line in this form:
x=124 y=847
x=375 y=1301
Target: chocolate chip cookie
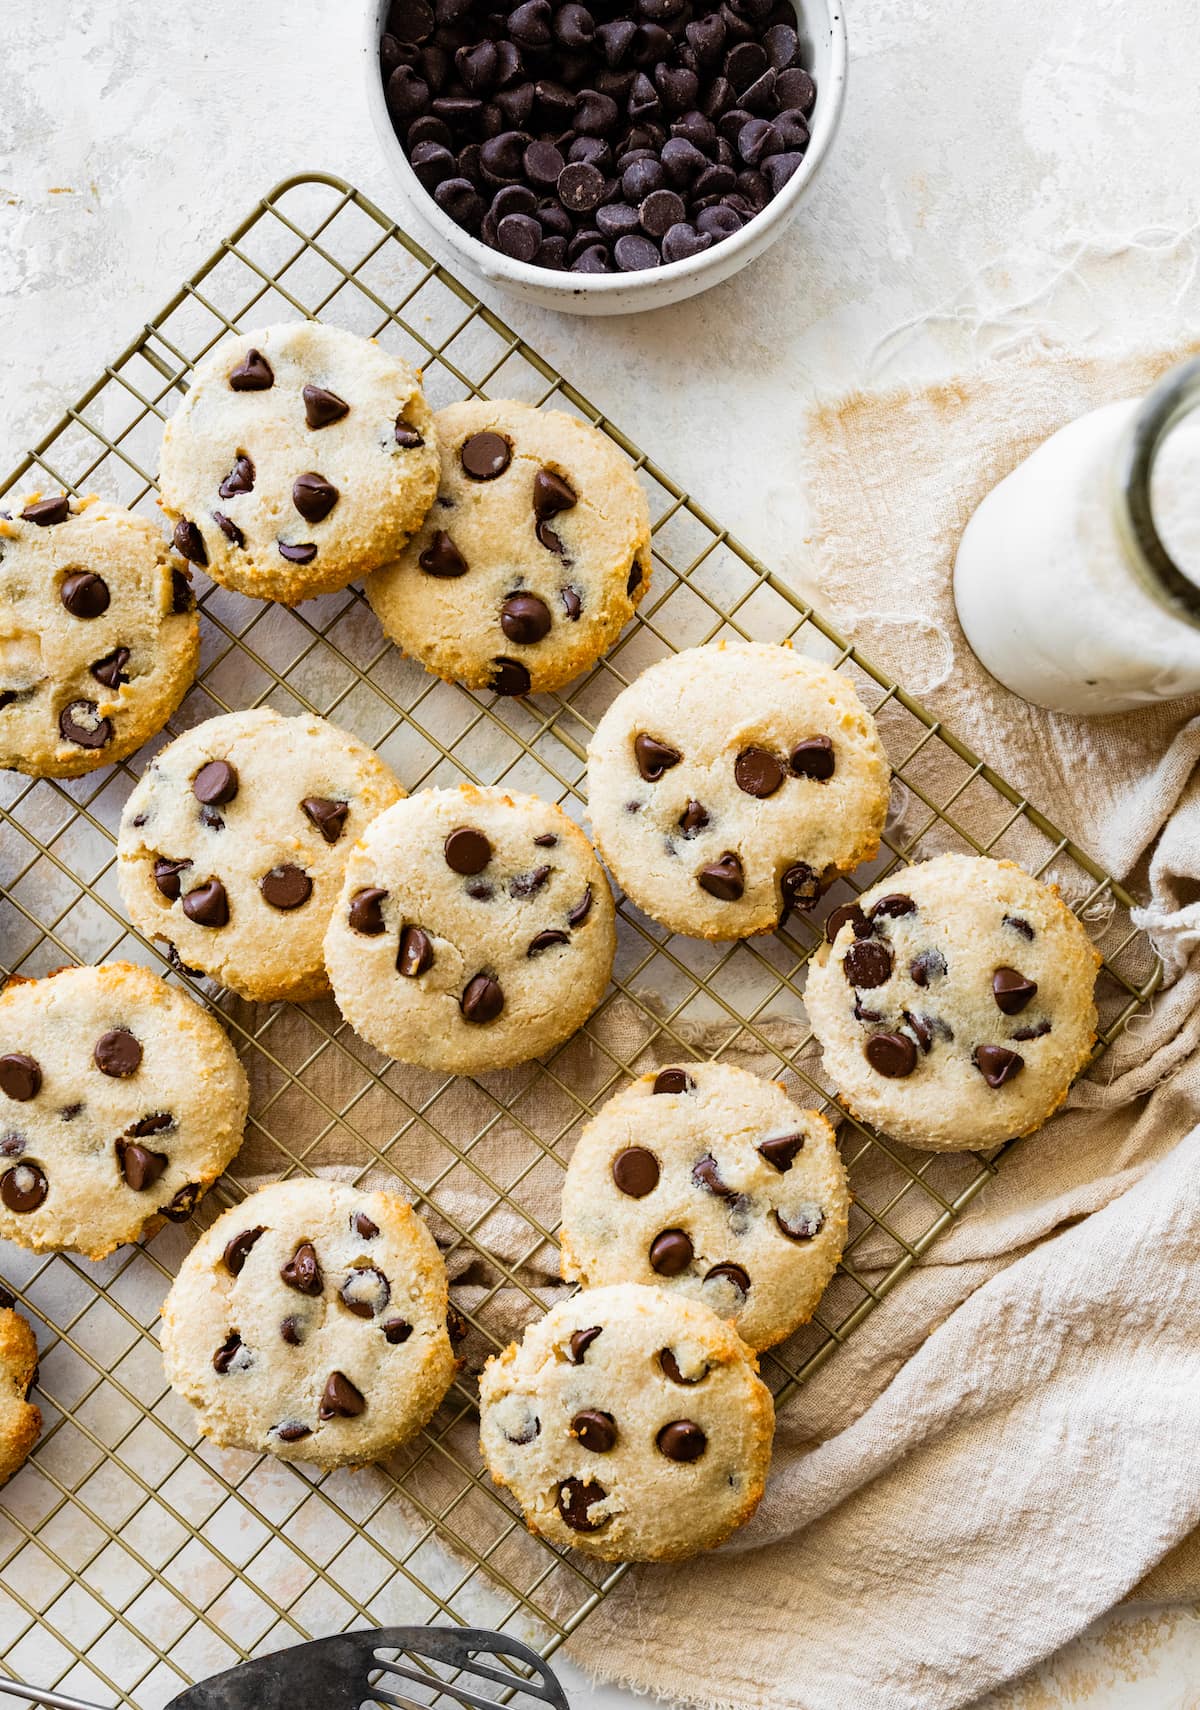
x=20 y=1420
x=310 y=1321
x=733 y=783
x=121 y=1100
x=954 y=1002
x=98 y=634
x=533 y=558
x=475 y=930
x=233 y=845
x=302 y=457
x=710 y=1182
x=629 y=1423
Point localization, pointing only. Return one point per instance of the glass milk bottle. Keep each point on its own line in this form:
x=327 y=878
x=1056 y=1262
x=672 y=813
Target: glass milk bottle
x=1077 y=579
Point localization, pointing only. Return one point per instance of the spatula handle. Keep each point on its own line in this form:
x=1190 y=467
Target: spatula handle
x=39 y=1695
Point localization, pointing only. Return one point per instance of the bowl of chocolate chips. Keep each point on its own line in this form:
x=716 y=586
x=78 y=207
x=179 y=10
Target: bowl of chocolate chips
x=605 y=156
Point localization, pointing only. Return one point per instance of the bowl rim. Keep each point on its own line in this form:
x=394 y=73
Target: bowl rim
x=730 y=255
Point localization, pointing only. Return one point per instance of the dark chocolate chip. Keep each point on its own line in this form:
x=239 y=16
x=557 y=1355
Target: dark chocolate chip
x=813 y=758
x=24 y=1187
x=485 y=455
x=322 y=408
x=543 y=162
x=397 y=1331
x=659 y=211
x=442 y=558
x=182 y=598
x=1012 y=991
x=683 y=241
x=111 y=669
x=577 y=915
x=551 y=494
x=576 y=1496
x=208 y=904
x=226 y=1354
x=723 y=879
x=215 y=783
x=572 y=602
x=673 y=1081
x=706 y=1175
x=365 y=1291
x=20 y=1077
x=519 y=236
x=654 y=757
x=801 y=887
x=795 y=88
x=407 y=435
x=528 y=884
x=145 y=1125
x=735 y=1274
x=867 y=964
x=681 y=1440
x=546 y=941
x=921 y=1027
x=365 y=914
x=84 y=594
x=1018 y=924
x=285 y=887
x=140 y=1167
x=293 y=1431
x=509 y=677
x=189 y=542
x=329 y=817
x=670 y=1366
x=341 y=1400
x=892 y=907
x=997 y=1065
x=925 y=966
x=181 y=1207
x=693 y=819
x=803 y=1224
x=415 y=955
x=780 y=1150
x=313 y=496
x=546 y=840
x=303 y=553
x=46 y=512
x=581 y=187
x=581 y=1341
x=252 y=374
x=597 y=1431
x=757 y=772
x=482 y=999
x=80 y=723
x=670 y=1252
x=635 y=1171
x=117 y=1053
x=524 y=619
x=364 y=1226
x=467 y=850
x=633 y=254
x=1036 y=1030
x=240 y=478
x=238 y=1250
x=891 y=1054
x=303 y=1271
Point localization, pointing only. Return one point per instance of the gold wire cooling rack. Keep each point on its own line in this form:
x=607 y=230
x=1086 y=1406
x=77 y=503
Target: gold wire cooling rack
x=134 y=1556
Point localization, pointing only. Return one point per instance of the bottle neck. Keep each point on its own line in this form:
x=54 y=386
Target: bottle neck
x=1175 y=396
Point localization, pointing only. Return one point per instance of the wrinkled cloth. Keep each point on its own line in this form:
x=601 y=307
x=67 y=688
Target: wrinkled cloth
x=1005 y=1447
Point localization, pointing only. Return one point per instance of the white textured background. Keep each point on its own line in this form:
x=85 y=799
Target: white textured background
x=1006 y=171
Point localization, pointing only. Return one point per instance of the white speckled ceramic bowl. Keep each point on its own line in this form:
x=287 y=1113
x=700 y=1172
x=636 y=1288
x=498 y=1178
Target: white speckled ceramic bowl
x=822 y=31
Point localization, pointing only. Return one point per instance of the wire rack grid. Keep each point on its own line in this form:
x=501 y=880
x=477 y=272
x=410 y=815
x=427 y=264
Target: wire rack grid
x=133 y=1555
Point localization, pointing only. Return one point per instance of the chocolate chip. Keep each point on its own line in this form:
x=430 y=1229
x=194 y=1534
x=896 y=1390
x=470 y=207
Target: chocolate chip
x=397 y=1331
x=183 y=1204
x=189 y=542
x=683 y=241
x=459 y=198
x=654 y=757
x=111 y=669
x=547 y=537
x=46 y=512
x=81 y=724
x=365 y=1291
x=303 y=1271
x=803 y=1224
x=510 y=677
x=551 y=495
x=706 y=1175
x=581 y=1341
x=20 y=1077
x=546 y=941
x=117 y=1053
x=543 y=162
x=215 y=783
x=407 y=435
x=670 y=1366
x=1037 y=1030
x=862 y=1013
x=572 y=602
x=925 y=966
x=524 y=619
x=140 y=1167
x=467 y=850
x=207 y=905
x=757 y=773
x=365 y=914
x=322 y=408
x=997 y=1065
x=780 y=1150
x=285 y=887
x=723 y=879
x=481 y=891
x=577 y=1496
x=867 y=964
x=482 y=999
x=252 y=374
x=226 y=1354
x=681 y=1440
x=673 y=1081
x=659 y=211
x=577 y=915
x=329 y=817
x=795 y=88
x=528 y=884
x=801 y=887
x=670 y=1253
x=84 y=594
x=24 y=1187
x=546 y=840
x=921 y=1028
x=294 y=1431
x=457 y=1327
x=635 y=1171
x=303 y=553
x=633 y=254
x=1012 y=991
x=734 y=1274
x=229 y=529
x=485 y=455
x=341 y=1400
x=581 y=187
x=1018 y=924
x=693 y=819
x=519 y=236
x=893 y=906
x=238 y=1250
x=595 y=1430
x=891 y=1054
x=813 y=758
x=240 y=478
x=415 y=955
x=364 y=1226
x=313 y=496
x=182 y=598
x=442 y=558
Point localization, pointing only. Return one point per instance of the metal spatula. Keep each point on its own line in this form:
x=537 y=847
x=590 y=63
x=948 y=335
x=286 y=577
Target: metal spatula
x=350 y=1669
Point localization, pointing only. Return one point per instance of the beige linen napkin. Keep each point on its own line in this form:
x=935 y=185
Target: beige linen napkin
x=1007 y=1446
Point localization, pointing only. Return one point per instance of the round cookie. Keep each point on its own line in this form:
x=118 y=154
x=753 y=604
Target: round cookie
x=121 y=1101
x=20 y=1420
x=531 y=561
x=732 y=783
x=99 y=637
x=710 y=1182
x=954 y=1002
x=303 y=457
x=475 y=930
x=310 y=1322
x=628 y=1423
x=233 y=845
